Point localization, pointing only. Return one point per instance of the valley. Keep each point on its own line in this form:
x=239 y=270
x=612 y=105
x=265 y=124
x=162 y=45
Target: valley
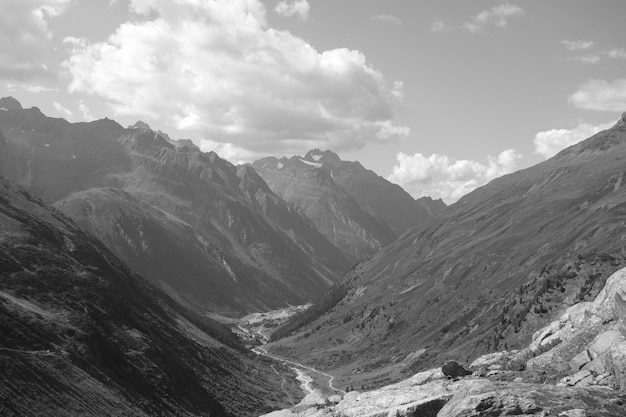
x=312 y=284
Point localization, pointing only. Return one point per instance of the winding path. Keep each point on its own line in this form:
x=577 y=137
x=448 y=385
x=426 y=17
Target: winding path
x=298 y=366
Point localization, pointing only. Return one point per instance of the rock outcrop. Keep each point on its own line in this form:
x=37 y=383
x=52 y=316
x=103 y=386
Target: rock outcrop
x=430 y=394
x=588 y=340
x=575 y=366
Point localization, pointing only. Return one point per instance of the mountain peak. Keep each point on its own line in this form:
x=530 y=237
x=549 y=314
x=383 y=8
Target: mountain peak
x=9 y=103
x=622 y=121
x=140 y=125
x=315 y=155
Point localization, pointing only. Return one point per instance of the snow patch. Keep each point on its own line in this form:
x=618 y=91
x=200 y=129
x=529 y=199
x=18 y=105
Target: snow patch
x=73 y=156
x=280 y=165
x=316 y=157
x=4 y=109
x=313 y=164
x=47 y=145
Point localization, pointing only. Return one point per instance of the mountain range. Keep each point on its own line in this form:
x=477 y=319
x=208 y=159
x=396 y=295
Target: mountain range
x=212 y=234
x=356 y=209
x=117 y=243
x=482 y=276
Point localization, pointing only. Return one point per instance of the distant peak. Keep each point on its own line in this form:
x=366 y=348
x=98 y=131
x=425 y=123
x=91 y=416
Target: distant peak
x=315 y=155
x=140 y=125
x=9 y=103
x=622 y=121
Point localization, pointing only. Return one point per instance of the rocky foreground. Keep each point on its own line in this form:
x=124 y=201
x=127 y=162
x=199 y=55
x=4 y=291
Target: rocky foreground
x=575 y=367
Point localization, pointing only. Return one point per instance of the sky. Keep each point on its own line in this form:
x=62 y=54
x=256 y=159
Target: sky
x=438 y=96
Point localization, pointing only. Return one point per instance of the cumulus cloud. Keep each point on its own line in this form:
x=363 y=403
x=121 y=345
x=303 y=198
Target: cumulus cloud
x=440 y=26
x=62 y=110
x=299 y=8
x=439 y=176
x=550 y=142
x=85 y=111
x=496 y=16
x=577 y=45
x=388 y=18
x=25 y=39
x=231 y=152
x=601 y=95
x=217 y=70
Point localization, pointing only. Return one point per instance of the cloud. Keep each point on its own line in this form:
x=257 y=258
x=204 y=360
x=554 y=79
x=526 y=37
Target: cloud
x=616 y=53
x=25 y=39
x=215 y=69
x=388 y=18
x=85 y=111
x=31 y=88
x=601 y=95
x=550 y=142
x=62 y=110
x=440 y=26
x=299 y=8
x=577 y=45
x=587 y=59
x=231 y=152
x=439 y=176
x=496 y=16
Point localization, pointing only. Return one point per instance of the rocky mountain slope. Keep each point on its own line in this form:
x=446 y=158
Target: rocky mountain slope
x=575 y=366
x=355 y=208
x=213 y=235
x=82 y=334
x=483 y=276
x=333 y=211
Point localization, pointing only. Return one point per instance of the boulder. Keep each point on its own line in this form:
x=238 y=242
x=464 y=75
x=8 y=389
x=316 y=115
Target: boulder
x=616 y=364
x=579 y=361
x=453 y=369
x=580 y=378
x=601 y=345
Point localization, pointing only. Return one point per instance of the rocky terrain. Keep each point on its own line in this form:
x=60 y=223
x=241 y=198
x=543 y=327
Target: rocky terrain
x=575 y=366
x=82 y=334
x=359 y=211
x=482 y=276
x=213 y=235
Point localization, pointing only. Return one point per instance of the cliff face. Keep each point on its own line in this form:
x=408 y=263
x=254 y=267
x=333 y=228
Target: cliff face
x=82 y=334
x=211 y=234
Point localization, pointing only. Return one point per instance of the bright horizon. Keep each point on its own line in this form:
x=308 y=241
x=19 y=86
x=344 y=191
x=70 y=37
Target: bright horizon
x=439 y=97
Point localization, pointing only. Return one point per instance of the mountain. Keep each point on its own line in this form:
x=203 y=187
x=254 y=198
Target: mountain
x=482 y=276
x=433 y=207
x=82 y=334
x=213 y=235
x=383 y=199
x=356 y=209
x=575 y=366
x=333 y=211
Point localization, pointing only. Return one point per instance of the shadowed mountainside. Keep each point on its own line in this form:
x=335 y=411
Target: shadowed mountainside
x=237 y=246
x=82 y=334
